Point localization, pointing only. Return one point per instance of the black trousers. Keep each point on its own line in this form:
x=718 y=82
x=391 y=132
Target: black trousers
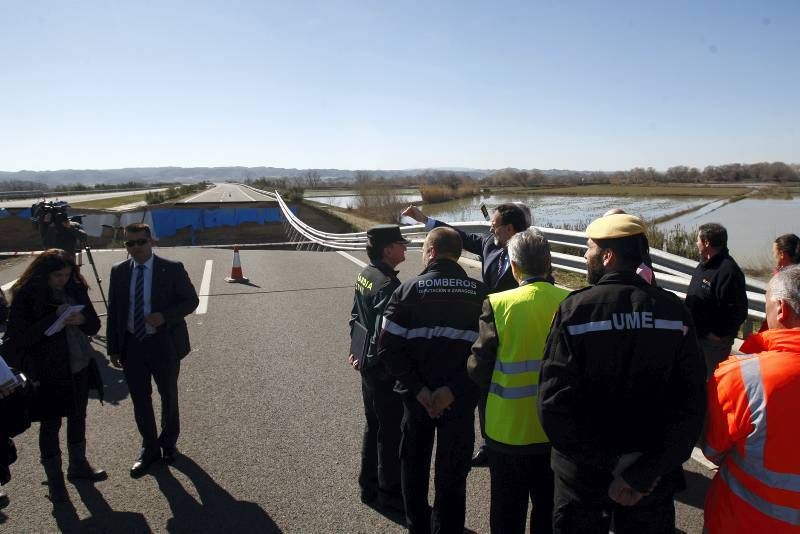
x=145 y=360
x=515 y=479
x=586 y=508
x=455 y=437
x=380 y=450
x=76 y=423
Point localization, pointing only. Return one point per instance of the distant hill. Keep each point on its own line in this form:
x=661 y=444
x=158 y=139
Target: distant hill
x=215 y=174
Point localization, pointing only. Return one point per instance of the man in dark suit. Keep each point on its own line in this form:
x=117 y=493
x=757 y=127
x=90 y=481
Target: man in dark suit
x=147 y=337
x=507 y=220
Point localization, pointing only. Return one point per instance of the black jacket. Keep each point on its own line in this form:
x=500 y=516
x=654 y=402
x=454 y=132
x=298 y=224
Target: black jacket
x=429 y=327
x=374 y=287
x=622 y=373
x=717 y=296
x=172 y=294
x=491 y=255
x=45 y=359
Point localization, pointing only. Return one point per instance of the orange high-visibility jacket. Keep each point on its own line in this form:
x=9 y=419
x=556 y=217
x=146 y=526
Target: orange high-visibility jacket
x=753 y=434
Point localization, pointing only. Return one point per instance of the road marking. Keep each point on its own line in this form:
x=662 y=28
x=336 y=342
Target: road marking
x=205 y=286
x=245 y=194
x=699 y=457
x=351 y=258
x=7 y=286
x=198 y=194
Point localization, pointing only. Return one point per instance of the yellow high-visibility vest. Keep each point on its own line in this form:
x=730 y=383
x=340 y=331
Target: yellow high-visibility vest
x=522 y=316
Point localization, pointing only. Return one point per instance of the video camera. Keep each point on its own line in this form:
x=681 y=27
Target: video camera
x=44 y=214
x=49 y=218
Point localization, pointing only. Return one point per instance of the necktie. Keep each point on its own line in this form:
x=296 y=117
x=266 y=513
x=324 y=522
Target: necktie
x=501 y=264
x=139 y=329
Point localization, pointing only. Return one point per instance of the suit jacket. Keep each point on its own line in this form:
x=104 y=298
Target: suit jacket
x=483 y=245
x=172 y=294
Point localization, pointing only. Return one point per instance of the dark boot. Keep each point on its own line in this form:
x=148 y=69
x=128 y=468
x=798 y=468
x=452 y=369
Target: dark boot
x=79 y=466
x=3 y=500
x=55 y=479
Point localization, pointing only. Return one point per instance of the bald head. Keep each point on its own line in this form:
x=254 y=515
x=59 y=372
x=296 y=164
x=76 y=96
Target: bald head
x=441 y=243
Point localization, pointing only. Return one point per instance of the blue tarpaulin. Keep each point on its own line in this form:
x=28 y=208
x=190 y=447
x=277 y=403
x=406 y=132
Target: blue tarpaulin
x=168 y=221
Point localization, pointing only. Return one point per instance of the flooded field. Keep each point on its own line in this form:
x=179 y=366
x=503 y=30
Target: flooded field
x=752 y=223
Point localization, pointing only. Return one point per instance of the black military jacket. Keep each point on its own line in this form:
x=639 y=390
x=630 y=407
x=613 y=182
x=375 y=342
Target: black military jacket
x=717 y=296
x=374 y=286
x=622 y=373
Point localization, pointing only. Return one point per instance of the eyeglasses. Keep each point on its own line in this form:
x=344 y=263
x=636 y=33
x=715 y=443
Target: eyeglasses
x=136 y=242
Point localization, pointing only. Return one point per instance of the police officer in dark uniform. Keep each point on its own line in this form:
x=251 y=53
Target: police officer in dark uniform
x=380 y=460
x=620 y=392
x=429 y=327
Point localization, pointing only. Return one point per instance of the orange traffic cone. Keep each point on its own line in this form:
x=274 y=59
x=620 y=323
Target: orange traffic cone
x=236 y=270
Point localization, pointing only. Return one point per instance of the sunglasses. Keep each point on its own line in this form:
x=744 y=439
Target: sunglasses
x=136 y=242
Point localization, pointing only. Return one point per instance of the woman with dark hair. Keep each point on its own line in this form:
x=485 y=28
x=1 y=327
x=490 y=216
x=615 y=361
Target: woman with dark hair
x=59 y=363
x=786 y=250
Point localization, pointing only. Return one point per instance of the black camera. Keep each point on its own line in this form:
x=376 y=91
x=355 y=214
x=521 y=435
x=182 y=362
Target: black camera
x=49 y=218
x=44 y=214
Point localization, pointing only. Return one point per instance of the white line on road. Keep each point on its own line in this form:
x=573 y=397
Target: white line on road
x=245 y=194
x=351 y=258
x=197 y=195
x=205 y=287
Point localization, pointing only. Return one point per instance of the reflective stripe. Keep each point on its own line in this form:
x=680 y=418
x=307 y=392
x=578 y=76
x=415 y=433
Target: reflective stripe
x=515 y=368
x=428 y=333
x=776 y=511
x=752 y=462
x=603 y=326
x=520 y=392
x=665 y=324
x=594 y=326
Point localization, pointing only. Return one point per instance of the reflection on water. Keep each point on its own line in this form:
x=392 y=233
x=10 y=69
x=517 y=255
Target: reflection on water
x=563 y=211
x=349 y=201
x=753 y=224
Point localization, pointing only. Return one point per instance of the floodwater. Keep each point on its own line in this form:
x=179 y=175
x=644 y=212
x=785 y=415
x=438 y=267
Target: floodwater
x=752 y=224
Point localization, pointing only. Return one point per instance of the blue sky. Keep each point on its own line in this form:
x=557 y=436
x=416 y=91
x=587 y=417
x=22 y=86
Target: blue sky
x=404 y=84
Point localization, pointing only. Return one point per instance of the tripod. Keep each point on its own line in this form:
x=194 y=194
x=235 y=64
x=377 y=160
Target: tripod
x=88 y=250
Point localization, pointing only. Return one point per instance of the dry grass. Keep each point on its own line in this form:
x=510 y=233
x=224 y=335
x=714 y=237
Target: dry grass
x=432 y=194
x=105 y=203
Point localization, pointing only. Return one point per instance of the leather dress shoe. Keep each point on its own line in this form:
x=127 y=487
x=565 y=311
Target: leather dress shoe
x=144 y=461
x=3 y=500
x=481 y=458
x=169 y=454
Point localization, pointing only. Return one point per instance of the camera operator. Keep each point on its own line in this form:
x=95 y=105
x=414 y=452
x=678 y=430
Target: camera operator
x=64 y=234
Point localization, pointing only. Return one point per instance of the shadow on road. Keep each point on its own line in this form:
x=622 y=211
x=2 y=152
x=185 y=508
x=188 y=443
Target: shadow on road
x=115 y=388
x=217 y=510
x=696 y=488
x=103 y=517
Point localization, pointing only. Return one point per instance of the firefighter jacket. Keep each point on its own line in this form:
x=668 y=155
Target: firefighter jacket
x=623 y=373
x=717 y=296
x=429 y=326
x=506 y=360
x=374 y=286
x=752 y=435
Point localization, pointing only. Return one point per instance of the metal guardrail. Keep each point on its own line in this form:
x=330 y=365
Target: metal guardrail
x=673 y=272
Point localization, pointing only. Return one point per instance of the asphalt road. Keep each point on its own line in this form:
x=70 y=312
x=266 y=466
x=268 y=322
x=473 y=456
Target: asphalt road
x=271 y=416
x=227 y=193
x=81 y=197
